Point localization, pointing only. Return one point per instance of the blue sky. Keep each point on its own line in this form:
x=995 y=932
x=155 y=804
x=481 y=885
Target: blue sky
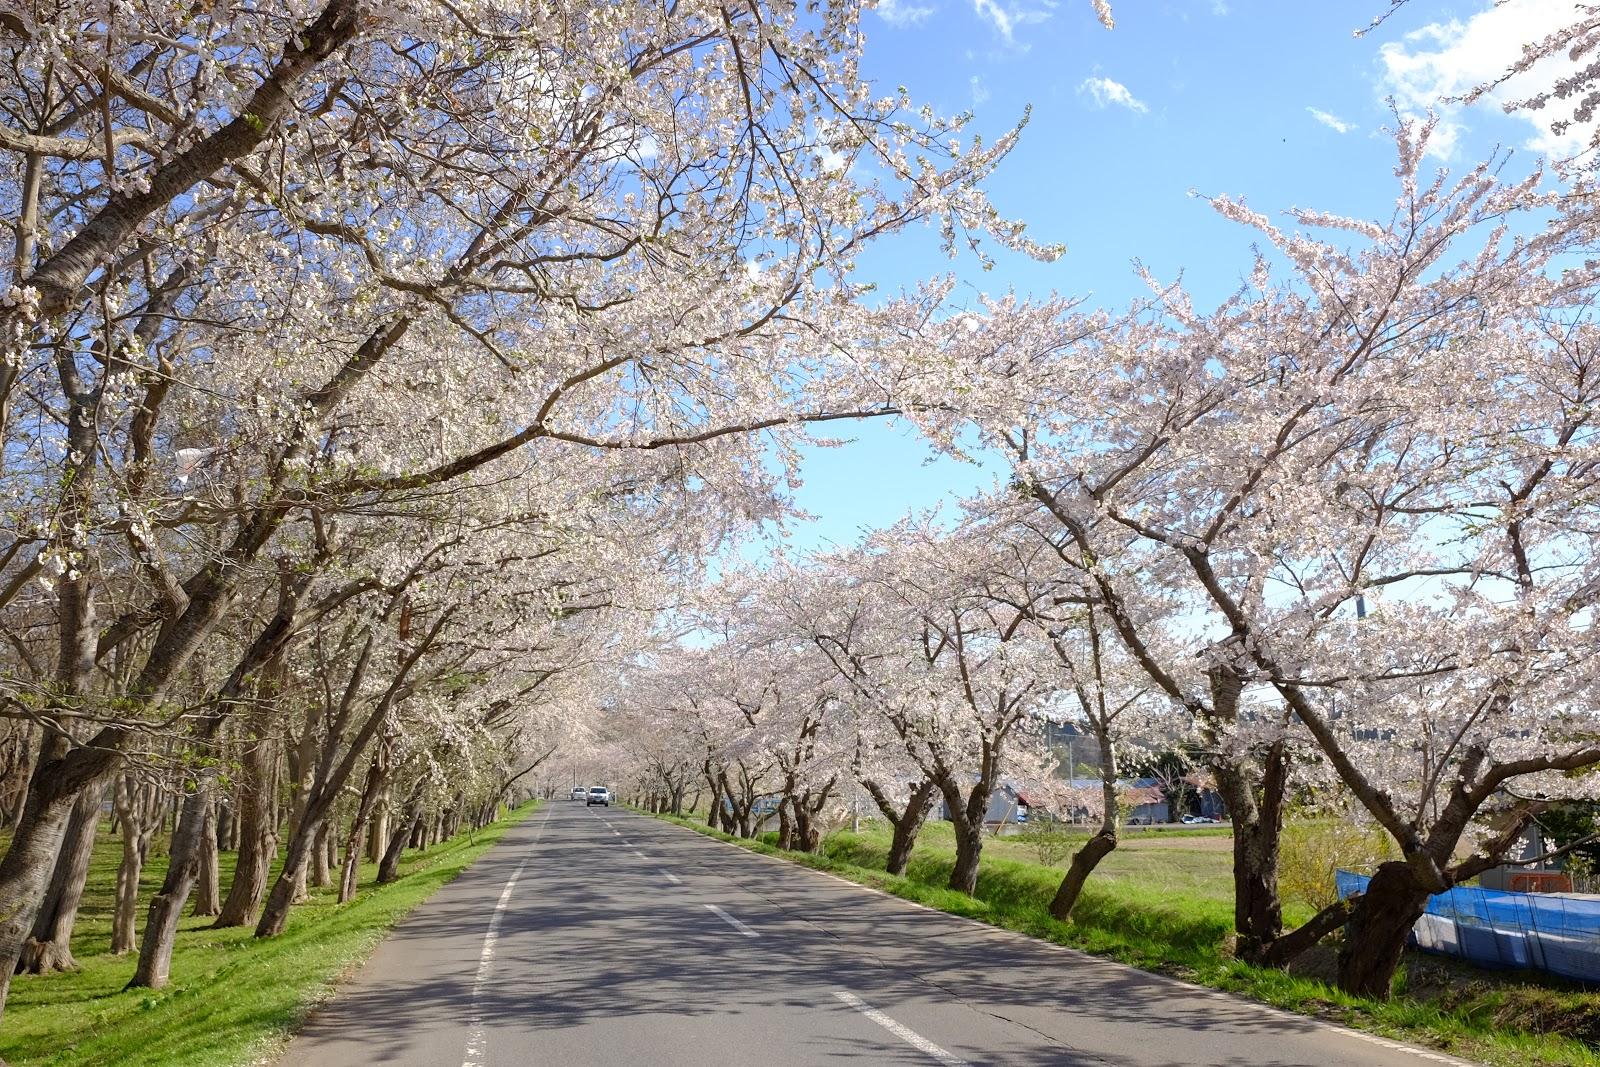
x=1274 y=101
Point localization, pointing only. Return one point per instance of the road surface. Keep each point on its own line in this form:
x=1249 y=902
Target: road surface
x=599 y=936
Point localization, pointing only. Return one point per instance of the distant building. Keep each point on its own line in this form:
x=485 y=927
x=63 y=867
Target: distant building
x=1145 y=801
x=1007 y=806
x=1539 y=876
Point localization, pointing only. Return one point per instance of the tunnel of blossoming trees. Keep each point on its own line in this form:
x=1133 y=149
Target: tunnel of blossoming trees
x=393 y=394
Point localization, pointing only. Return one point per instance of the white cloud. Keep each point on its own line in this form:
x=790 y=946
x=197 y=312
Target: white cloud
x=1443 y=60
x=1220 y=8
x=980 y=91
x=994 y=13
x=1107 y=92
x=1005 y=20
x=901 y=15
x=1330 y=120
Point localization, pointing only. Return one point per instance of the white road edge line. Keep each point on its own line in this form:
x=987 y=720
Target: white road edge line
x=641 y=855
x=674 y=879
x=904 y=1033
x=731 y=921
x=475 y=1031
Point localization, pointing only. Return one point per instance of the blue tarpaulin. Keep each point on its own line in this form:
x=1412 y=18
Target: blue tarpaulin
x=1542 y=931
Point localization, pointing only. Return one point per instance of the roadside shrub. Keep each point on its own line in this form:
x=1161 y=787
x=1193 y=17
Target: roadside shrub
x=1312 y=848
x=1050 y=842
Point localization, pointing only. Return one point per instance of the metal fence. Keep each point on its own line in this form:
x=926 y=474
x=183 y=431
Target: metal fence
x=1541 y=931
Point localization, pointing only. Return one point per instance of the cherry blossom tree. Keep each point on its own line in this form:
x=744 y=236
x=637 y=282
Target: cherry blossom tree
x=949 y=667
x=1356 y=496
x=277 y=266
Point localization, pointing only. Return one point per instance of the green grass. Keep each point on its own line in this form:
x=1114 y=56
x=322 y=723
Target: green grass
x=233 y=999
x=1170 y=910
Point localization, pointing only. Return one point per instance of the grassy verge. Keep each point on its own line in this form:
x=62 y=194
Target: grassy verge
x=1158 y=924
x=233 y=999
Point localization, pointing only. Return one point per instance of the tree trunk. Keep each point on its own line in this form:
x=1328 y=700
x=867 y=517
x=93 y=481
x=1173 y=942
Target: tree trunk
x=1255 y=810
x=227 y=826
x=258 y=833
x=301 y=758
x=135 y=812
x=14 y=783
x=50 y=946
x=377 y=774
x=207 y=891
x=378 y=836
x=1380 y=923
x=1083 y=864
x=123 y=936
x=907 y=823
x=308 y=842
x=807 y=836
x=166 y=907
x=30 y=860
x=966 y=816
x=320 y=874
x=389 y=865
x=276 y=913
x=1257 y=908
x=901 y=843
x=806 y=811
x=714 y=810
x=1102 y=844
x=298 y=888
x=785 y=824
x=969 y=851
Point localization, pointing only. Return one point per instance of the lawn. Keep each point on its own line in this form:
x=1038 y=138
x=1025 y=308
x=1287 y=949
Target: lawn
x=1197 y=864
x=233 y=999
x=1166 y=905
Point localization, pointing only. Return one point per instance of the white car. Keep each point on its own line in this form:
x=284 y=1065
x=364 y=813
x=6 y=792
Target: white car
x=599 y=794
x=580 y=792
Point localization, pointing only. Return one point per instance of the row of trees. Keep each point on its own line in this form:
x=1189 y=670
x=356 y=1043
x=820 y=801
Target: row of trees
x=1338 y=533
x=377 y=380
x=372 y=374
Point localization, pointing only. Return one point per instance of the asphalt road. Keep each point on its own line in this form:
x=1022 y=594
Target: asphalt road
x=598 y=936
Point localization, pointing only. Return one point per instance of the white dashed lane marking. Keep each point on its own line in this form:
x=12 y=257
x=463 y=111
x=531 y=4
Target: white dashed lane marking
x=731 y=921
x=903 y=1032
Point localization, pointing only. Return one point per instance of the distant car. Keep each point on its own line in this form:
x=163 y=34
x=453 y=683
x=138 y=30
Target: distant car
x=599 y=794
x=1198 y=820
x=580 y=792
